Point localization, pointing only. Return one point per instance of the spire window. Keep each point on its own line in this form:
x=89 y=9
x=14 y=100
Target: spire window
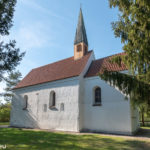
x=79 y=48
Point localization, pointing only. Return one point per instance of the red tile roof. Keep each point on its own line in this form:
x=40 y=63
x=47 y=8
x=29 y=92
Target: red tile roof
x=98 y=66
x=56 y=71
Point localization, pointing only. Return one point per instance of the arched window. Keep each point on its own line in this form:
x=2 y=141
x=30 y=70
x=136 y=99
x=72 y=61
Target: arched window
x=52 y=100
x=25 y=102
x=97 y=95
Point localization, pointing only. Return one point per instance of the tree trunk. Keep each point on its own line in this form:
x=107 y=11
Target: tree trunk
x=143 y=122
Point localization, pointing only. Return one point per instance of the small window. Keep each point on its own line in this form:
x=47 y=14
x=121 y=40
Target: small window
x=52 y=100
x=97 y=96
x=62 y=107
x=45 y=107
x=79 y=48
x=25 y=102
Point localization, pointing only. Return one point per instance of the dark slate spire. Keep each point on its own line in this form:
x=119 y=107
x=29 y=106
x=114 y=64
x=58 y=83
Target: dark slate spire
x=81 y=32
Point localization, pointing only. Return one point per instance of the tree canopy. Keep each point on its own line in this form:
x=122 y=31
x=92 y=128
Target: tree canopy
x=11 y=81
x=10 y=56
x=133 y=27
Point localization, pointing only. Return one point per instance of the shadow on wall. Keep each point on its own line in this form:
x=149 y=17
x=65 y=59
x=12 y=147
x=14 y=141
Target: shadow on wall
x=22 y=117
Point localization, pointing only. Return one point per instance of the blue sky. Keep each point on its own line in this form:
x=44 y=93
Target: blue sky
x=46 y=30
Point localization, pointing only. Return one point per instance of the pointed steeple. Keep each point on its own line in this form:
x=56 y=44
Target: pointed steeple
x=80 y=42
x=81 y=31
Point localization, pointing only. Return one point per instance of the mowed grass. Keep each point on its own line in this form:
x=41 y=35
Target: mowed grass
x=4 y=123
x=18 y=139
x=146 y=128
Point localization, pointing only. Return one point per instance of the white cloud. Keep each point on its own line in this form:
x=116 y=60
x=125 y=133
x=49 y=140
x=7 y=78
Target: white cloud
x=36 y=6
x=30 y=36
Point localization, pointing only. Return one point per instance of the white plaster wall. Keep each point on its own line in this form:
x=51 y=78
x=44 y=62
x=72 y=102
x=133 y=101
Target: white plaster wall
x=114 y=116
x=35 y=117
x=81 y=89
x=134 y=113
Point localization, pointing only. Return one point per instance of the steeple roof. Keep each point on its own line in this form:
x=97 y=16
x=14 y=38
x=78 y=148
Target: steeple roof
x=81 y=31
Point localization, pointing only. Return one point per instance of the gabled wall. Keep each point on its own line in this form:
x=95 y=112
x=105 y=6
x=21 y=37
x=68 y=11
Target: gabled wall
x=36 y=117
x=82 y=90
x=113 y=116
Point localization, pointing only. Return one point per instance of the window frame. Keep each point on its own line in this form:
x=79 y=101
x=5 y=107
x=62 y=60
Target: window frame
x=25 y=100
x=52 y=99
x=95 y=102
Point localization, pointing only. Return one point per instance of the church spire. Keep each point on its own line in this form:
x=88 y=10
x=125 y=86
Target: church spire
x=80 y=42
x=81 y=31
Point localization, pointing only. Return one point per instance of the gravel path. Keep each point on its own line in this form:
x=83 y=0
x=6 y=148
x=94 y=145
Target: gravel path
x=4 y=126
x=142 y=135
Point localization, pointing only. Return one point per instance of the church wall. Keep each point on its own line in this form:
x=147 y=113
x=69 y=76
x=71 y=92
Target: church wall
x=134 y=112
x=113 y=116
x=81 y=90
x=39 y=115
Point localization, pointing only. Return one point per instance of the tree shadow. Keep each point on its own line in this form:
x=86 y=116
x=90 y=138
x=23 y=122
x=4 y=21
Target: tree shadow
x=35 y=140
x=21 y=117
x=143 y=132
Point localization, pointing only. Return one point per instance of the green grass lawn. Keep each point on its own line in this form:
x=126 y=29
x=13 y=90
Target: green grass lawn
x=4 y=123
x=145 y=128
x=18 y=139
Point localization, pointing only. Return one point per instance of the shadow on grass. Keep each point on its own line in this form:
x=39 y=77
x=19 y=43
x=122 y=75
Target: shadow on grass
x=17 y=139
x=144 y=132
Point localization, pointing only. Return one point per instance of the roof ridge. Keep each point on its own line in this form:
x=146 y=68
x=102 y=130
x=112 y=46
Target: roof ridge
x=109 y=56
x=98 y=64
x=59 y=61
x=59 y=70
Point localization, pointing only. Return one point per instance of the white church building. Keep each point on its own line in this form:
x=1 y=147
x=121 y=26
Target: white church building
x=68 y=95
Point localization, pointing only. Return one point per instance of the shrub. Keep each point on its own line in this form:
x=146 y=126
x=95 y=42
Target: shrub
x=5 y=112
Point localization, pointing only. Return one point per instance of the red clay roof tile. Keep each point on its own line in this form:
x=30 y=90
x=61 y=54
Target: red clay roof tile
x=97 y=66
x=63 y=69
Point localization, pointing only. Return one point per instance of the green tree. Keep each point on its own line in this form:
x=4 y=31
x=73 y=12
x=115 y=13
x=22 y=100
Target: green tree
x=10 y=56
x=11 y=81
x=138 y=91
x=5 y=112
x=133 y=27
